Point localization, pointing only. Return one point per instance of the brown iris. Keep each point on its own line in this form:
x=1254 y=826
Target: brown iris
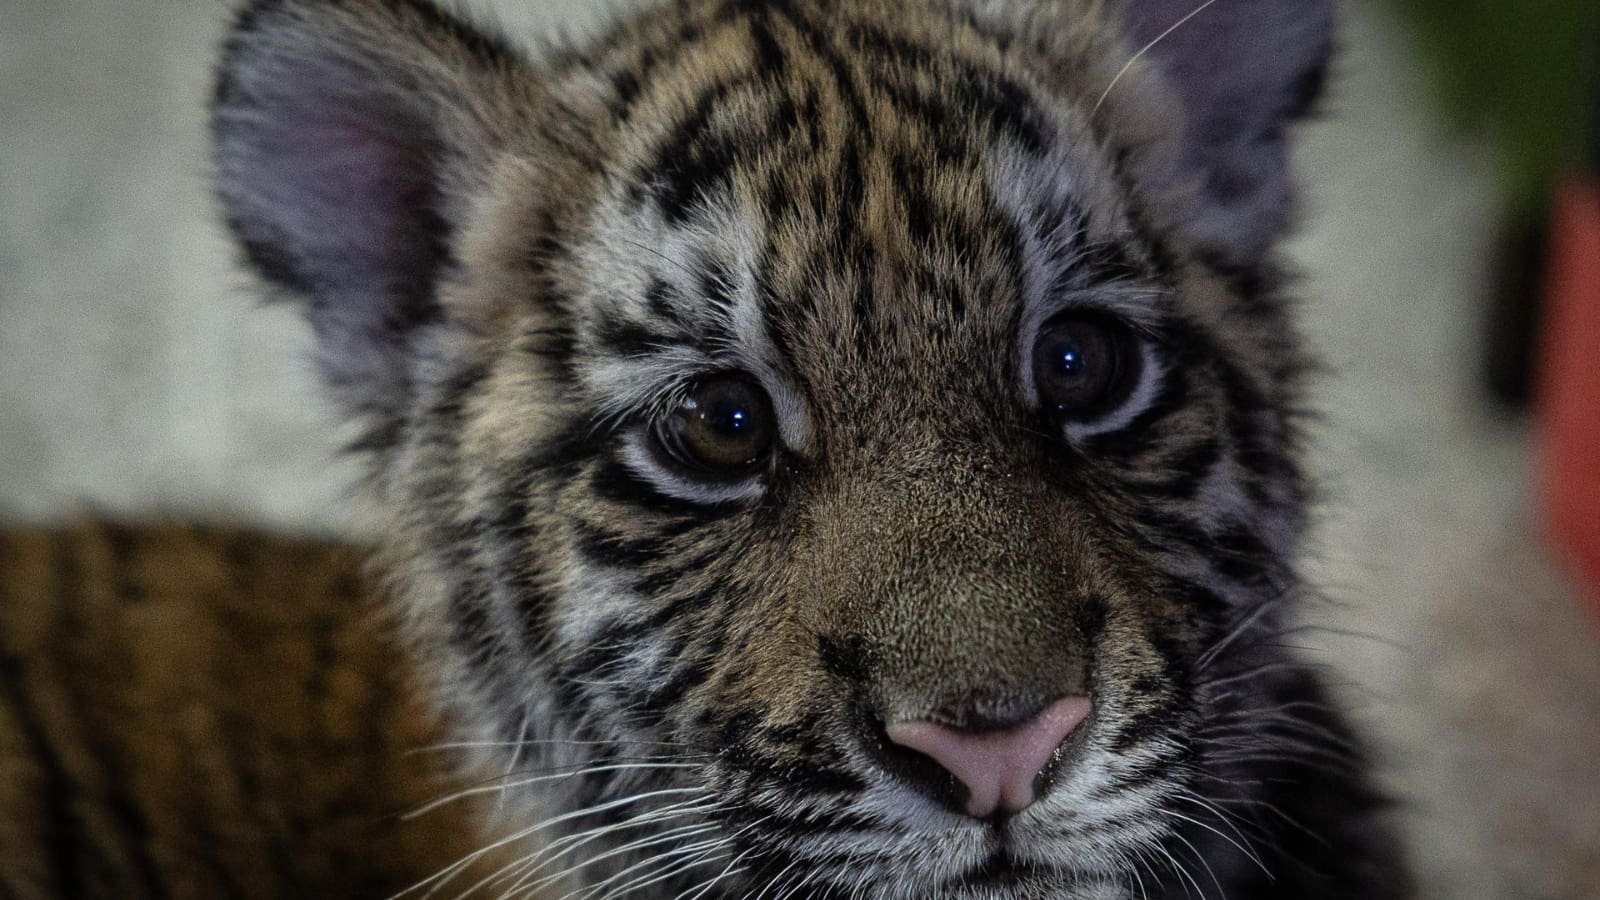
x=723 y=427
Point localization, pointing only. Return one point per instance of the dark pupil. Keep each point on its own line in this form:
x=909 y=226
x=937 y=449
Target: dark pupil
x=726 y=415
x=1082 y=368
x=725 y=423
x=1069 y=360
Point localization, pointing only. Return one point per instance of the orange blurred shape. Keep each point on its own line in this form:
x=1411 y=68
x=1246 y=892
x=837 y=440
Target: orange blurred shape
x=1569 y=382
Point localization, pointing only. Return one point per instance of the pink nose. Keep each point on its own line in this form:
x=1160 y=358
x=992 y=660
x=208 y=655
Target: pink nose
x=998 y=767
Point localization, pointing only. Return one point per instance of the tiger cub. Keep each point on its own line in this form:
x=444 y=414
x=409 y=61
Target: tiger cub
x=830 y=448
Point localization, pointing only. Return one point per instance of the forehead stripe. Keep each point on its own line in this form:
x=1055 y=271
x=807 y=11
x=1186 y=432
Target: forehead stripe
x=695 y=157
x=963 y=85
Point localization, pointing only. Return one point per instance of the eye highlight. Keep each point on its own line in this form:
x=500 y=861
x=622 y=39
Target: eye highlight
x=1084 y=367
x=722 y=429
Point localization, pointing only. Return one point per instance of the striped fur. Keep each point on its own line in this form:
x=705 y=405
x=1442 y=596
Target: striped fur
x=202 y=713
x=870 y=208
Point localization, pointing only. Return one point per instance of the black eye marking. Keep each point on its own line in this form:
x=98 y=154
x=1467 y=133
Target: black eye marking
x=1085 y=367
x=724 y=429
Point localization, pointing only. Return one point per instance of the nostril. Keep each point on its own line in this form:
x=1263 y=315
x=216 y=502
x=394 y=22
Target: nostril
x=997 y=766
x=986 y=716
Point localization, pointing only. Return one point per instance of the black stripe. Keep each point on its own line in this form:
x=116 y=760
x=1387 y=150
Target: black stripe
x=1148 y=724
x=123 y=544
x=625 y=85
x=668 y=577
x=628 y=81
x=1110 y=262
x=509 y=538
x=492 y=50
x=617 y=336
x=63 y=826
x=133 y=827
x=1139 y=220
x=1191 y=469
x=1203 y=598
x=469 y=623
x=379 y=436
x=1241 y=555
x=693 y=160
x=770 y=55
x=663 y=300
x=863 y=300
x=1090 y=617
x=683 y=679
x=564 y=454
x=699 y=156
x=614 y=481
x=602 y=547
x=848 y=658
x=1163 y=529
x=816 y=36
x=619 y=633
x=1004 y=104
x=911 y=184
x=740 y=738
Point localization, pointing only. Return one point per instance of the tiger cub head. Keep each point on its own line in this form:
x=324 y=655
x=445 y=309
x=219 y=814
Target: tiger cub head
x=830 y=447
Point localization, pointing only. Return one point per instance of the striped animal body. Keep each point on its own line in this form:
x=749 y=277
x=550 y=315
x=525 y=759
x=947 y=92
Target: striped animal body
x=203 y=713
x=852 y=443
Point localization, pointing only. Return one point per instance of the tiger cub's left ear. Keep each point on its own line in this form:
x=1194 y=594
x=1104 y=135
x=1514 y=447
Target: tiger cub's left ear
x=347 y=136
x=1242 y=71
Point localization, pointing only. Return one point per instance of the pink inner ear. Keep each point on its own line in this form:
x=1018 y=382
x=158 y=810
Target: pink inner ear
x=359 y=204
x=330 y=153
x=331 y=187
x=334 y=166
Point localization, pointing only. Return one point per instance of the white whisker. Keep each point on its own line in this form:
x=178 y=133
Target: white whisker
x=526 y=869
x=1146 y=49
x=440 y=878
x=537 y=779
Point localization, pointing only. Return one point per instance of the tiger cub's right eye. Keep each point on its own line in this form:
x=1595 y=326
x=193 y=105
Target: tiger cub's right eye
x=724 y=427
x=1084 y=366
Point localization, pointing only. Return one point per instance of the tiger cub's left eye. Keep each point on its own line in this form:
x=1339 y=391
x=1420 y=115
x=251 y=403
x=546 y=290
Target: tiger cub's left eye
x=1084 y=367
x=724 y=426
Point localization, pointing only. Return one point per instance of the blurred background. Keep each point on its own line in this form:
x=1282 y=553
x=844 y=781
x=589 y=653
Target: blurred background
x=139 y=374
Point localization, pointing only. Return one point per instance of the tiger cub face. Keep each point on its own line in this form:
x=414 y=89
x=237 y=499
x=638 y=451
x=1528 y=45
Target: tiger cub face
x=831 y=447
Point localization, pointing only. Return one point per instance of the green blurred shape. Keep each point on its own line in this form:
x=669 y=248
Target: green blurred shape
x=1524 y=73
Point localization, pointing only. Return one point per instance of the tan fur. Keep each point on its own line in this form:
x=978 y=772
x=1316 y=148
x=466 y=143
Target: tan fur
x=200 y=713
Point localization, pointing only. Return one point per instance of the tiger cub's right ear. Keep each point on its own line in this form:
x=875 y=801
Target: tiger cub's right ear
x=347 y=135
